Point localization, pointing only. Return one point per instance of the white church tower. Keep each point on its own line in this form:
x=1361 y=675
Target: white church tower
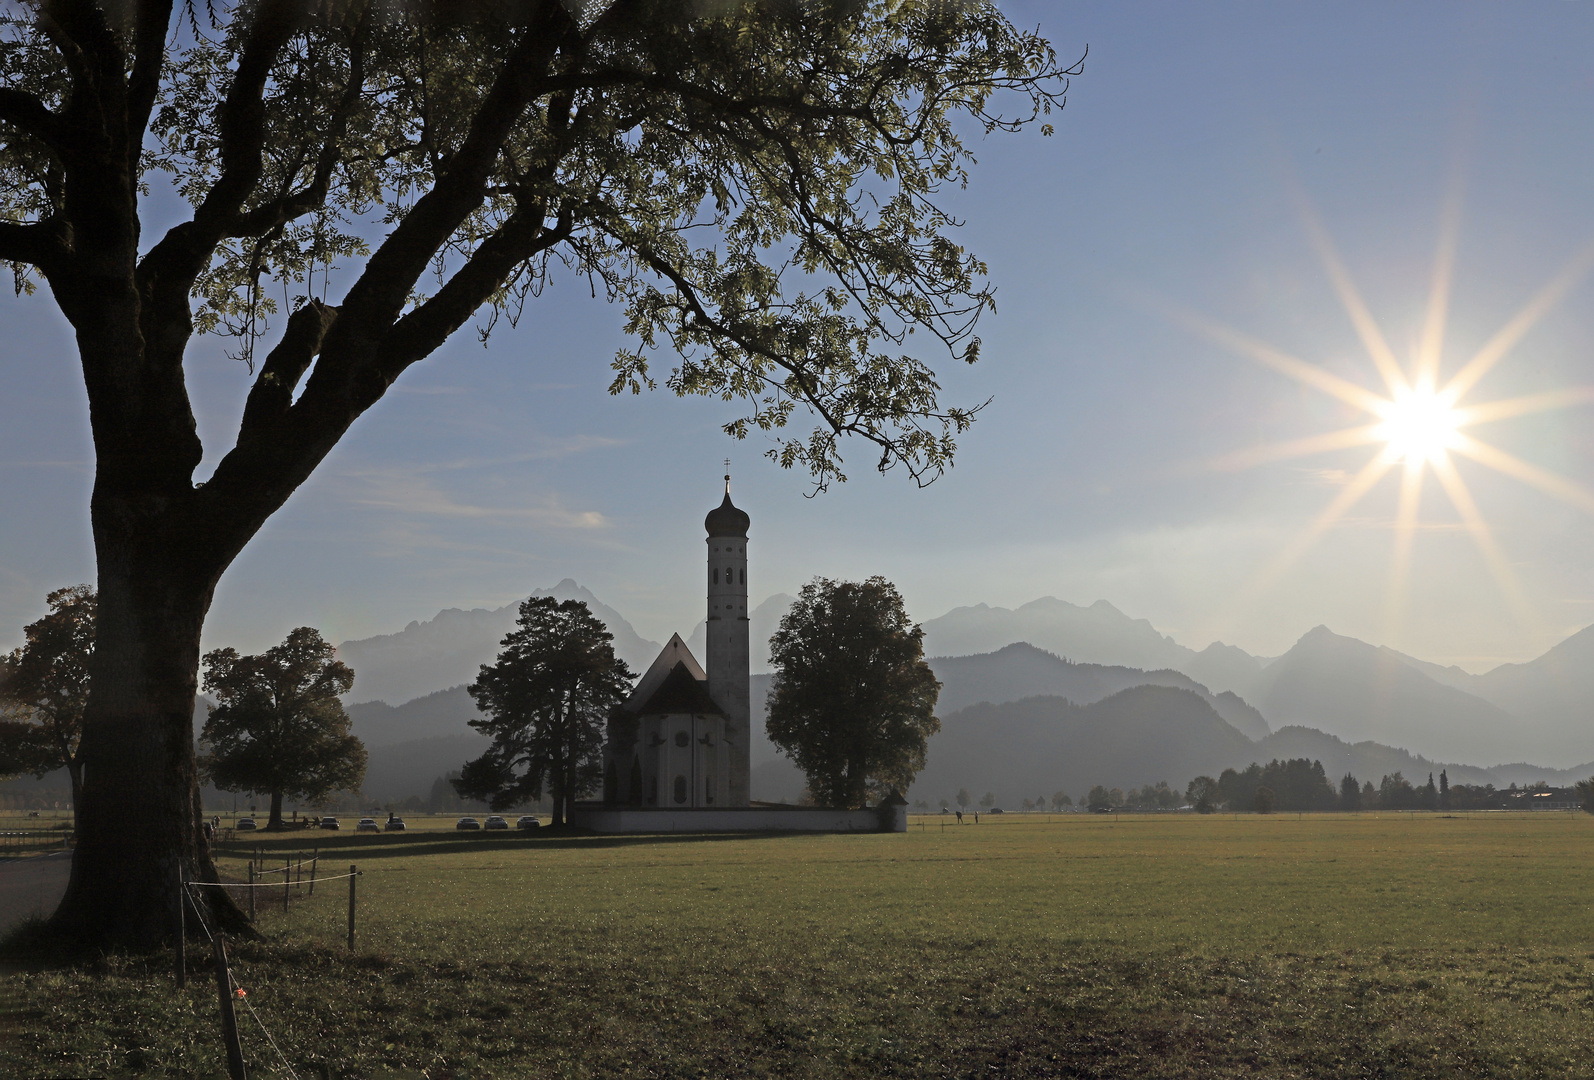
x=729 y=661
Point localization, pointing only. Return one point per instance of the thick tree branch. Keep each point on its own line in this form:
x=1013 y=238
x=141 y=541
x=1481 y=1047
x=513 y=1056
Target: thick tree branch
x=39 y=244
x=416 y=335
x=174 y=263
x=27 y=113
x=310 y=197
x=272 y=394
x=149 y=57
x=376 y=299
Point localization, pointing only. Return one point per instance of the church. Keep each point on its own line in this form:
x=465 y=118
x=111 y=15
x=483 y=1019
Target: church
x=677 y=753
x=681 y=740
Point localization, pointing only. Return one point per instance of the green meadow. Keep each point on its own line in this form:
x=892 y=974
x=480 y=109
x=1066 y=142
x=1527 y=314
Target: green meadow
x=1165 y=946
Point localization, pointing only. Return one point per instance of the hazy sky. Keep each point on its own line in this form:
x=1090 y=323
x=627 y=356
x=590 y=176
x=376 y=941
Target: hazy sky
x=1176 y=181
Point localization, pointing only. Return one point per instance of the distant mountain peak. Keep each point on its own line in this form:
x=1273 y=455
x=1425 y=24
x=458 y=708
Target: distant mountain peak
x=449 y=648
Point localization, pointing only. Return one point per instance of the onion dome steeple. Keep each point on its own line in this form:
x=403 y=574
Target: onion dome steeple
x=725 y=519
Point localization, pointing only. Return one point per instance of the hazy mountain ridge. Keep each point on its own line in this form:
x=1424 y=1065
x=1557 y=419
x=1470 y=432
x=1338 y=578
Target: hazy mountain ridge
x=1359 y=692
x=450 y=648
x=1098 y=634
x=1538 y=710
x=444 y=714
x=1038 y=745
x=1022 y=670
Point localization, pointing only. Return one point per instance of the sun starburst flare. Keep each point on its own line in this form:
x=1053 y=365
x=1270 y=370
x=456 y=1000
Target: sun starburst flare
x=1417 y=423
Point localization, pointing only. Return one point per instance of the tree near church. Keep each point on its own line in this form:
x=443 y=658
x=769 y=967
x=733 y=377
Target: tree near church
x=755 y=182
x=852 y=701
x=277 y=728
x=44 y=686
x=547 y=698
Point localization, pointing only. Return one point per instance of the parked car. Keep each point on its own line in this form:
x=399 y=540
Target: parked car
x=496 y=822
x=467 y=823
x=330 y=823
x=395 y=825
x=528 y=822
x=994 y=810
x=368 y=825
x=246 y=825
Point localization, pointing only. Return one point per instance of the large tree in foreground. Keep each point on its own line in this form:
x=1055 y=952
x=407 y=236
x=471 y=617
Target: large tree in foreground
x=852 y=701
x=44 y=686
x=277 y=728
x=546 y=697
x=755 y=181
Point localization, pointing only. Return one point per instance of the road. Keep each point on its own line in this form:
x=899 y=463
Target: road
x=32 y=886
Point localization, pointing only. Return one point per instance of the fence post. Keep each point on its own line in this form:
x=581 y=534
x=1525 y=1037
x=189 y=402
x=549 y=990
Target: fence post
x=353 y=874
x=251 y=891
x=182 y=929
x=315 y=857
x=229 y=1020
x=298 y=881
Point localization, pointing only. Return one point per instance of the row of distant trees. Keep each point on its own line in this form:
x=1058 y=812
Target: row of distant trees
x=1301 y=784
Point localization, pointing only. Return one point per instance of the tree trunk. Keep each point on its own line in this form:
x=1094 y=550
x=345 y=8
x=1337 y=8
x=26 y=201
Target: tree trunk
x=74 y=770
x=274 y=823
x=139 y=814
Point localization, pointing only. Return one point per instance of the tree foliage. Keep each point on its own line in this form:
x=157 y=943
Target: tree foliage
x=44 y=687
x=278 y=728
x=755 y=181
x=852 y=701
x=547 y=698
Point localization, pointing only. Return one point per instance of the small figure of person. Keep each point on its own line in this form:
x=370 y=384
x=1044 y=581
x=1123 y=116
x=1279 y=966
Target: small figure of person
x=976 y=817
x=960 y=817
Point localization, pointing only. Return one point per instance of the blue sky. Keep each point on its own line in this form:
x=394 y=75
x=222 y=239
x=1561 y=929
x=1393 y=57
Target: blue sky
x=1176 y=180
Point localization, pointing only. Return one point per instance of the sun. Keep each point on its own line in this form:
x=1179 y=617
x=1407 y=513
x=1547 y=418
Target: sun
x=1418 y=422
x=1419 y=426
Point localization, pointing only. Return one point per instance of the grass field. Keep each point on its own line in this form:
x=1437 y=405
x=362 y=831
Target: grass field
x=1137 y=946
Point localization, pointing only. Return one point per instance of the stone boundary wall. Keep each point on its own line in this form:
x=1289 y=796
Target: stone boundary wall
x=626 y=819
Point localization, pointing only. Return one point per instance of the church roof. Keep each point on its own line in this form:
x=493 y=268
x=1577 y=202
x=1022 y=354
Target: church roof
x=725 y=519
x=680 y=692
x=675 y=652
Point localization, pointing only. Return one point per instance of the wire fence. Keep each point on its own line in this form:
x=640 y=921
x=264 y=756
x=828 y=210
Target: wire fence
x=231 y=989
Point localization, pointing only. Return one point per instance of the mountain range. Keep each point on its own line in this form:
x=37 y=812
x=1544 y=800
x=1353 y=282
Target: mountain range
x=1537 y=711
